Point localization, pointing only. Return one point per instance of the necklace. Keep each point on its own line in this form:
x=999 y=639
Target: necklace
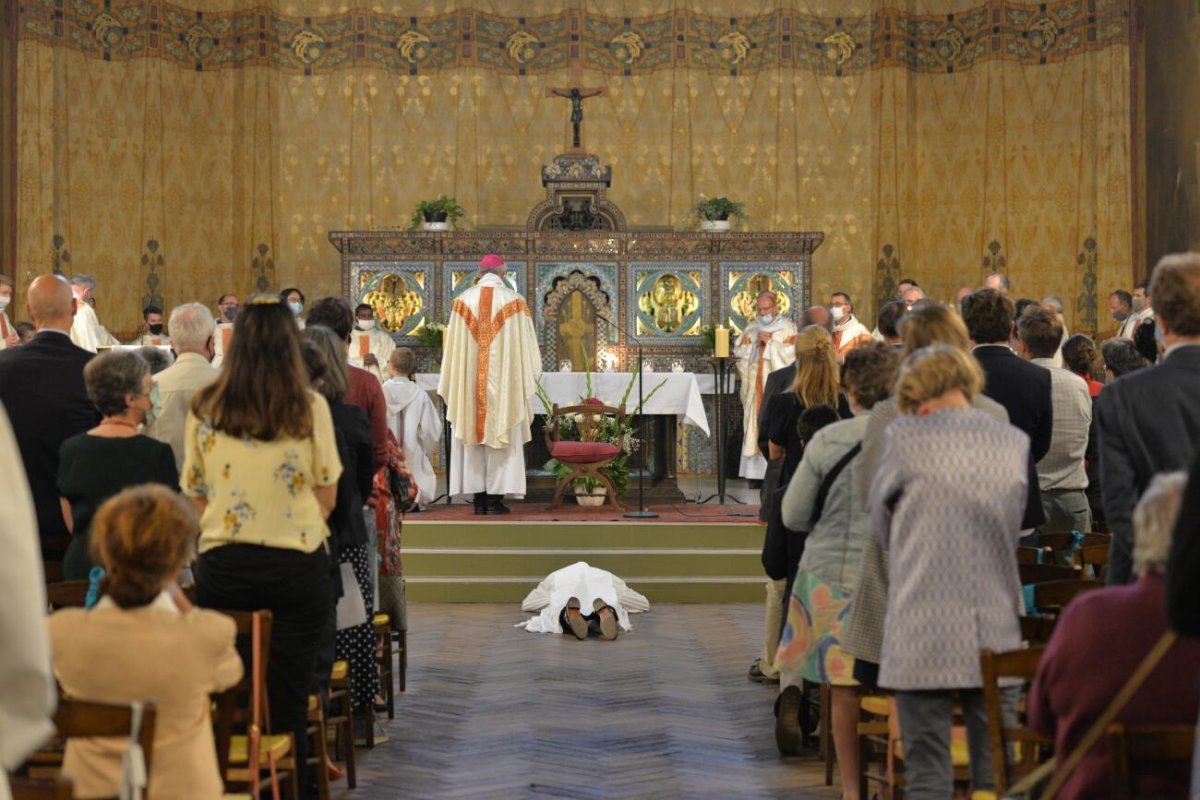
x=118 y=421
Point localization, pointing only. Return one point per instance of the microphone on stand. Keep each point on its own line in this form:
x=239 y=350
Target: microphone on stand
x=641 y=513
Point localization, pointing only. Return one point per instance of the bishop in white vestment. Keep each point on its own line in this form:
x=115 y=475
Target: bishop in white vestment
x=767 y=344
x=370 y=348
x=490 y=366
x=86 y=330
x=413 y=421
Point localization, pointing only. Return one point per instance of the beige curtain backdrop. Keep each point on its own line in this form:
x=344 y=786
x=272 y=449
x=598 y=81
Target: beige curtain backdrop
x=181 y=151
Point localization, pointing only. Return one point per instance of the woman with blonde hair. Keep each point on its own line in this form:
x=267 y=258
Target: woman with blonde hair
x=951 y=522
x=261 y=464
x=816 y=383
x=144 y=641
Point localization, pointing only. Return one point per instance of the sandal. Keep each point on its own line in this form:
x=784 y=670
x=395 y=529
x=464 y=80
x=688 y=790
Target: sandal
x=608 y=619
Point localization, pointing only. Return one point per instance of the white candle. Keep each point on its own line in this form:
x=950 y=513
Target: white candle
x=721 y=349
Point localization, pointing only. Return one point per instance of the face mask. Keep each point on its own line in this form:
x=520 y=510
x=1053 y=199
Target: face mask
x=91 y=301
x=155 y=329
x=1158 y=334
x=366 y=324
x=837 y=312
x=1139 y=304
x=766 y=319
x=230 y=313
x=296 y=308
x=155 y=406
x=1120 y=316
x=4 y=301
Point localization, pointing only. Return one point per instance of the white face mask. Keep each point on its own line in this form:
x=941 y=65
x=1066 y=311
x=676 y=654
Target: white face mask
x=837 y=312
x=4 y=301
x=366 y=324
x=766 y=319
x=296 y=308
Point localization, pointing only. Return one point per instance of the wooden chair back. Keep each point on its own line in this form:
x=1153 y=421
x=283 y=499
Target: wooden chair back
x=1153 y=746
x=1053 y=596
x=234 y=712
x=1029 y=555
x=1016 y=751
x=1041 y=573
x=590 y=422
x=1096 y=557
x=67 y=594
x=1037 y=630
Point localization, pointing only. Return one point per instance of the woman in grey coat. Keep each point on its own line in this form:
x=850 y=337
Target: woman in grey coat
x=947 y=504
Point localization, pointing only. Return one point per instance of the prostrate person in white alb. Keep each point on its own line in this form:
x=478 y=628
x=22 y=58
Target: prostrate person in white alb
x=580 y=600
x=490 y=366
x=9 y=337
x=370 y=348
x=767 y=344
x=413 y=421
x=86 y=330
x=152 y=328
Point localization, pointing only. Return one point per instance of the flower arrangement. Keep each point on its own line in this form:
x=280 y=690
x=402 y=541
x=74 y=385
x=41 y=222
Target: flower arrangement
x=611 y=430
x=432 y=335
x=443 y=209
x=718 y=208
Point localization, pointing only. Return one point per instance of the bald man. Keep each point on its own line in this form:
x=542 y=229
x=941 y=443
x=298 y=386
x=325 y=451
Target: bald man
x=41 y=386
x=768 y=343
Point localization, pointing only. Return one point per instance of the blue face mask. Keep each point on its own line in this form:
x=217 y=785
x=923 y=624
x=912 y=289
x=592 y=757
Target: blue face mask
x=296 y=308
x=1158 y=334
x=766 y=319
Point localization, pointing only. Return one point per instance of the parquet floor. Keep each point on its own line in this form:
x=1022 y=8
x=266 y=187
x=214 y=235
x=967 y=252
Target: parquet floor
x=492 y=711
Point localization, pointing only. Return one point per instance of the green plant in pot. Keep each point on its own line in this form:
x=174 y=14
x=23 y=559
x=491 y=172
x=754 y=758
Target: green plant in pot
x=443 y=209
x=714 y=213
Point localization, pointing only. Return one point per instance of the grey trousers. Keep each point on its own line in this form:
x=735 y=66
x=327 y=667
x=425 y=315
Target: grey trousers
x=925 y=721
x=1066 y=511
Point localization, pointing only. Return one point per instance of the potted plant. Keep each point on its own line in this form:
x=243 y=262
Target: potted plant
x=437 y=215
x=714 y=213
x=431 y=335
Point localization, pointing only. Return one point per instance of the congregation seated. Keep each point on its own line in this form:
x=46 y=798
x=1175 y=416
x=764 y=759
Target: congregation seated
x=112 y=456
x=144 y=641
x=1081 y=672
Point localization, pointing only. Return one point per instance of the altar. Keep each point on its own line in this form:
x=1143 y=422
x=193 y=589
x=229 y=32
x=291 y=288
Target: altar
x=599 y=290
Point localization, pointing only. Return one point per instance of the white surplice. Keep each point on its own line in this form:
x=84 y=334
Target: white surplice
x=490 y=366
x=375 y=342
x=417 y=426
x=222 y=337
x=6 y=329
x=755 y=361
x=585 y=582
x=86 y=330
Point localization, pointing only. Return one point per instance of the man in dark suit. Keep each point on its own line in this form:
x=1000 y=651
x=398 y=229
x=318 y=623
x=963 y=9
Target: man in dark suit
x=1148 y=421
x=1021 y=387
x=41 y=387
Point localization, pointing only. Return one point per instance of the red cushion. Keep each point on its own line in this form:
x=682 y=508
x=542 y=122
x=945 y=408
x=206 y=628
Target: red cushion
x=583 y=452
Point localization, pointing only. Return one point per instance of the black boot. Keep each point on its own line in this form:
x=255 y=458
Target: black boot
x=496 y=505
x=481 y=502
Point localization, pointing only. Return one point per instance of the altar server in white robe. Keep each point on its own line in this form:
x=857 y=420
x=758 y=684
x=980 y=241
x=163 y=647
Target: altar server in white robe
x=413 y=420
x=8 y=332
x=490 y=367
x=370 y=348
x=86 y=330
x=767 y=344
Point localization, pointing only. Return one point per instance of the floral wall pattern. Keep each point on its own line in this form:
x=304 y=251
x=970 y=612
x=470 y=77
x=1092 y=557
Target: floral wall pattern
x=237 y=134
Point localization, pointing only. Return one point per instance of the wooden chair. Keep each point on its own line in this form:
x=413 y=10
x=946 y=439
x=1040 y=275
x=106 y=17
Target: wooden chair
x=234 y=718
x=85 y=719
x=878 y=732
x=1029 y=555
x=587 y=457
x=318 y=750
x=341 y=719
x=57 y=788
x=1158 y=745
x=1016 y=751
x=1062 y=548
x=1038 y=630
x=1041 y=573
x=1054 y=595
x=67 y=594
x=383 y=656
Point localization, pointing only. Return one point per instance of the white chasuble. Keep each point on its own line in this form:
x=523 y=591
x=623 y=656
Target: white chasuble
x=755 y=361
x=86 y=330
x=417 y=426
x=490 y=366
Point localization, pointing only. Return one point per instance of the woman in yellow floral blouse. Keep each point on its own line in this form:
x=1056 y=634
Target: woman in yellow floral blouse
x=262 y=467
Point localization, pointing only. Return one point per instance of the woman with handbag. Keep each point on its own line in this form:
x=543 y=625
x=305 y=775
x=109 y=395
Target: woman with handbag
x=261 y=466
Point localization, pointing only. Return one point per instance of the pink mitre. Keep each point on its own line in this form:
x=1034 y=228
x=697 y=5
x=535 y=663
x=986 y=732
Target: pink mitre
x=491 y=262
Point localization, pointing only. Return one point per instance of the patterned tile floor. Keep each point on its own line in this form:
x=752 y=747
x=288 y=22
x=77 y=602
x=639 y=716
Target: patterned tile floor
x=664 y=712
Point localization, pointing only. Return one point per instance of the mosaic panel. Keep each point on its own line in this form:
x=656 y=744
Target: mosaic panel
x=598 y=281
x=400 y=293
x=741 y=283
x=666 y=302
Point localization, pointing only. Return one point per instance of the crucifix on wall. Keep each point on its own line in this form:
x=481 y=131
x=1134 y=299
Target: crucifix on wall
x=576 y=94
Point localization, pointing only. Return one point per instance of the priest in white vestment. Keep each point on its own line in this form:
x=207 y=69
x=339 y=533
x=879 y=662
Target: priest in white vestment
x=585 y=583
x=370 y=348
x=848 y=332
x=490 y=366
x=86 y=330
x=8 y=332
x=767 y=344
x=413 y=420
